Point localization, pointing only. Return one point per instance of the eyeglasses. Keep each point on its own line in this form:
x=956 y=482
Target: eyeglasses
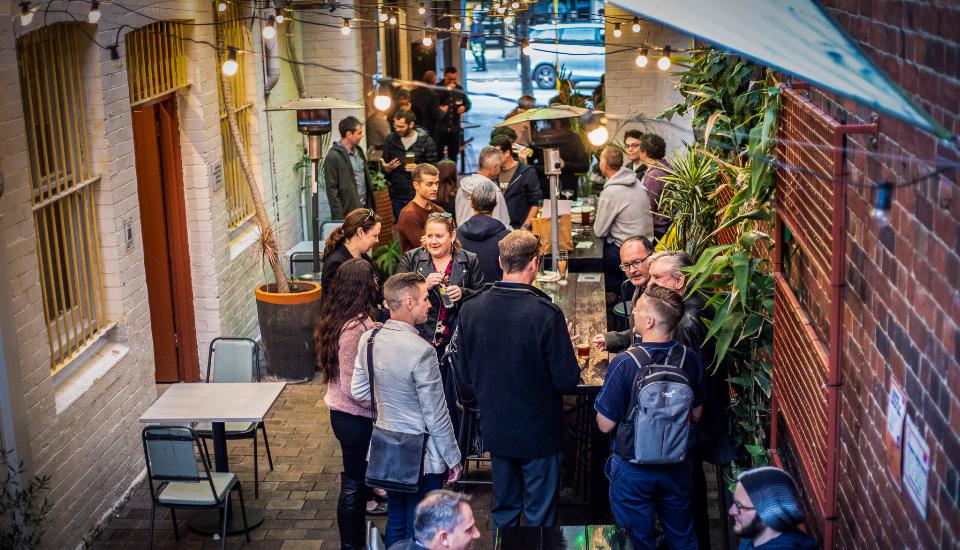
x=636 y=264
x=741 y=507
x=632 y=145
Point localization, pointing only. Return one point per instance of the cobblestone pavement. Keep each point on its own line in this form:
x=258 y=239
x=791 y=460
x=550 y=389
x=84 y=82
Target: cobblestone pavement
x=299 y=497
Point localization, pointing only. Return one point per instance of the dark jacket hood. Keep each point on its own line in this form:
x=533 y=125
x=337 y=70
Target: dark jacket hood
x=788 y=540
x=480 y=228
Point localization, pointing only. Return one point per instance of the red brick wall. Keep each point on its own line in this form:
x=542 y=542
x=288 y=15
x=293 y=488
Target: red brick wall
x=902 y=305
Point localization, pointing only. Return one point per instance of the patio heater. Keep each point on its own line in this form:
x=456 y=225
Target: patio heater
x=315 y=122
x=543 y=135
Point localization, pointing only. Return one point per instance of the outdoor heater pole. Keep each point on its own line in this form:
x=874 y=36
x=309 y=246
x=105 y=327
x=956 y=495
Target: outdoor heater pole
x=551 y=165
x=315 y=152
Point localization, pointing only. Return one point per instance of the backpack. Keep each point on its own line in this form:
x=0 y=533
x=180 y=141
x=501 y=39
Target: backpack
x=656 y=429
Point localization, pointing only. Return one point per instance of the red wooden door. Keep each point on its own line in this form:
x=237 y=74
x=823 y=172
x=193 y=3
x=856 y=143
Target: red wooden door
x=166 y=254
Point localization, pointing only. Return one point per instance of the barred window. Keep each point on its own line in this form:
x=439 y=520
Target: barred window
x=236 y=35
x=62 y=190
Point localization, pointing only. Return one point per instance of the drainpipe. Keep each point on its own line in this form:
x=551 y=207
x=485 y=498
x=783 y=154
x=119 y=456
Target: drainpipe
x=272 y=65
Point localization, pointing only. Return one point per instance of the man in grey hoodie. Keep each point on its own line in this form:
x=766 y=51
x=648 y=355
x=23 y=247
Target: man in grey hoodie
x=622 y=212
x=488 y=169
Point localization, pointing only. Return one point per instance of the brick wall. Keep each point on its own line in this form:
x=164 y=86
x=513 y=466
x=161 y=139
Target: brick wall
x=632 y=91
x=85 y=433
x=902 y=305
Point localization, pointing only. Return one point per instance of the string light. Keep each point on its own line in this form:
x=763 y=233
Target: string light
x=421 y=10
x=383 y=17
x=457 y=24
x=270 y=29
x=345 y=27
x=636 y=24
x=501 y=9
x=393 y=19
x=94 y=14
x=230 y=66
x=597 y=132
x=222 y=6
x=664 y=62
x=515 y=5
x=280 y=17
x=642 y=59
x=617 y=33
x=525 y=47
x=381 y=98
x=26 y=13
x=427 y=39
x=880 y=214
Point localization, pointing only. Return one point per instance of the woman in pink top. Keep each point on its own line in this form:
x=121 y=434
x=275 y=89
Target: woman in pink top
x=348 y=310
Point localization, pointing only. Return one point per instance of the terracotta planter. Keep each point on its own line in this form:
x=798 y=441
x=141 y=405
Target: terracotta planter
x=385 y=211
x=287 y=321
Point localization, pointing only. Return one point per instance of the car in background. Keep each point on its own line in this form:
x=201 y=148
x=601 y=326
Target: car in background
x=579 y=51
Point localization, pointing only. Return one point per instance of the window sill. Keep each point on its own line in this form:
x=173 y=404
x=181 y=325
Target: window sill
x=82 y=373
x=242 y=238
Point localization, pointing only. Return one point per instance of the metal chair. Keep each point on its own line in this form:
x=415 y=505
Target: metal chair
x=176 y=480
x=469 y=438
x=374 y=542
x=621 y=313
x=236 y=360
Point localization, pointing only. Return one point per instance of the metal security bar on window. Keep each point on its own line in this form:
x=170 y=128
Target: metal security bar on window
x=68 y=244
x=155 y=61
x=236 y=35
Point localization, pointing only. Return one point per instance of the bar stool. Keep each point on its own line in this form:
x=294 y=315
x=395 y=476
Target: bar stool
x=469 y=438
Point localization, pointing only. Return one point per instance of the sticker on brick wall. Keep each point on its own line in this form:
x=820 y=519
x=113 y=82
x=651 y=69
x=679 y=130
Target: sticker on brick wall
x=216 y=175
x=916 y=467
x=893 y=435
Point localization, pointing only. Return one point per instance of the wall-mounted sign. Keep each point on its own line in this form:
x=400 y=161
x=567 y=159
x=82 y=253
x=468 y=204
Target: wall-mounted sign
x=893 y=435
x=216 y=175
x=916 y=467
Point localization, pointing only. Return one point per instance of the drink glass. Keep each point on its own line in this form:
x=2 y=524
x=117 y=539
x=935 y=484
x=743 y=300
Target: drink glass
x=444 y=298
x=411 y=159
x=562 y=259
x=583 y=349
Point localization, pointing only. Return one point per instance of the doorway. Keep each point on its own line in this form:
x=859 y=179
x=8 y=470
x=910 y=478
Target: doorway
x=166 y=255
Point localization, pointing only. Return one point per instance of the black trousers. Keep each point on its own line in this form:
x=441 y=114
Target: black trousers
x=612 y=275
x=353 y=433
x=450 y=140
x=530 y=486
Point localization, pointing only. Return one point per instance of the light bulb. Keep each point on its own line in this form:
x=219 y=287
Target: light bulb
x=427 y=40
x=636 y=25
x=617 y=33
x=381 y=102
x=525 y=47
x=421 y=10
x=664 y=62
x=230 y=66
x=515 y=5
x=94 y=14
x=598 y=136
x=457 y=24
x=26 y=14
x=880 y=214
x=642 y=59
x=270 y=30
x=280 y=17
x=501 y=9
x=222 y=7
x=345 y=27
x=393 y=20
x=383 y=17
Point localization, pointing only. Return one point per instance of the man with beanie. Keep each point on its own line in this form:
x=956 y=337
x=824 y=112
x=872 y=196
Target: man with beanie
x=766 y=511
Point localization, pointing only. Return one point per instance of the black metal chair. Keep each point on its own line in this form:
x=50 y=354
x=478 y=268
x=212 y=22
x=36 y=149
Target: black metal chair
x=469 y=438
x=236 y=360
x=176 y=480
x=621 y=310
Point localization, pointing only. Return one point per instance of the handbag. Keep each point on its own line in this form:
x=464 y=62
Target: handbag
x=395 y=462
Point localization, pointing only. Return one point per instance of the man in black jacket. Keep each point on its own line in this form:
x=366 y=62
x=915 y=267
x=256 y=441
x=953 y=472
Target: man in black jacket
x=519 y=183
x=345 y=172
x=405 y=140
x=713 y=444
x=425 y=106
x=516 y=354
x=453 y=103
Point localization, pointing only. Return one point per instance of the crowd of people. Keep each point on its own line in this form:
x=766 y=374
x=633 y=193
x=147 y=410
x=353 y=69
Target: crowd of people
x=462 y=322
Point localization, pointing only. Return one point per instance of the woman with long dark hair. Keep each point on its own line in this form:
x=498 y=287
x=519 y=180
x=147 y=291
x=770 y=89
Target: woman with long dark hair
x=355 y=238
x=448 y=184
x=348 y=310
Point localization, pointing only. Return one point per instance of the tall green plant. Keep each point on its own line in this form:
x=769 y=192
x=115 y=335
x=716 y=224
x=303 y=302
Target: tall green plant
x=691 y=182
x=23 y=507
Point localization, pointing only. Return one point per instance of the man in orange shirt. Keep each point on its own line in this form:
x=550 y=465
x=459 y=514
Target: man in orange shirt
x=413 y=216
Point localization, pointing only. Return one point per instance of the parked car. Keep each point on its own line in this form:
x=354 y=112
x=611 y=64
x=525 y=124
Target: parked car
x=580 y=52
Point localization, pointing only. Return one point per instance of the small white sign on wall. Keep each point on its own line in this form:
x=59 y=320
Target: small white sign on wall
x=216 y=175
x=916 y=467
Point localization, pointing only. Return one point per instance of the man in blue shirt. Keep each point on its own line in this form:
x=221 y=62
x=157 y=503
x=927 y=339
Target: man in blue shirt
x=639 y=492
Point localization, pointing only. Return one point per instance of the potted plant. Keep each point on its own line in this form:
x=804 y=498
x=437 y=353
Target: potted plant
x=287 y=311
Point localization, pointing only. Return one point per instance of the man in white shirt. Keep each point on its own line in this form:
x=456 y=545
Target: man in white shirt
x=622 y=212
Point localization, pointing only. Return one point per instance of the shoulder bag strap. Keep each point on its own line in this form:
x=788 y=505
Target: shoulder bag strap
x=373 y=393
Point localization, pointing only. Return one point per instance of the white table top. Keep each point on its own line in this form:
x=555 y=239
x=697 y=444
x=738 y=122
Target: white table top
x=182 y=403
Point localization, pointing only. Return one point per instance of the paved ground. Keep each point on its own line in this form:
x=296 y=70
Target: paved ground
x=299 y=497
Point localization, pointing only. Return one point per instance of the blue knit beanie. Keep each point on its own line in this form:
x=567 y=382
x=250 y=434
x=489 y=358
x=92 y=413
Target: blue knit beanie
x=774 y=495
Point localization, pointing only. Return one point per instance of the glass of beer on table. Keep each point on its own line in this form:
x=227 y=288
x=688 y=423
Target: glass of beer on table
x=562 y=258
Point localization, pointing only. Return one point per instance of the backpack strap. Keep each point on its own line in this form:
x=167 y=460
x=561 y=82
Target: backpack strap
x=373 y=393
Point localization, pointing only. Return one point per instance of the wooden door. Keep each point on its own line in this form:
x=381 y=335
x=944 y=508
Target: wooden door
x=166 y=253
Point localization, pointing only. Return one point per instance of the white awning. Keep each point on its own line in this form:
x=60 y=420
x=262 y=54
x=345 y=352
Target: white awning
x=793 y=36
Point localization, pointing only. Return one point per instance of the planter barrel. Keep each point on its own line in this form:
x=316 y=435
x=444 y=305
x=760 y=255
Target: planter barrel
x=385 y=211
x=287 y=321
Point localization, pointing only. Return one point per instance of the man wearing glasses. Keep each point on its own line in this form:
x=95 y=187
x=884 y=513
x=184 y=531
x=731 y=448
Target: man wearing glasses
x=631 y=140
x=633 y=262
x=766 y=511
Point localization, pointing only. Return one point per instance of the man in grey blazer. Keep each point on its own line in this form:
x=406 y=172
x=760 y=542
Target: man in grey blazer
x=409 y=395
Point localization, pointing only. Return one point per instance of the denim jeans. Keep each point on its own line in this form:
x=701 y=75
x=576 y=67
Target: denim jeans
x=400 y=507
x=638 y=493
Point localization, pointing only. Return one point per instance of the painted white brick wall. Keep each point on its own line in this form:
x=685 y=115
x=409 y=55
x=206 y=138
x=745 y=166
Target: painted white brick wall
x=92 y=447
x=632 y=91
